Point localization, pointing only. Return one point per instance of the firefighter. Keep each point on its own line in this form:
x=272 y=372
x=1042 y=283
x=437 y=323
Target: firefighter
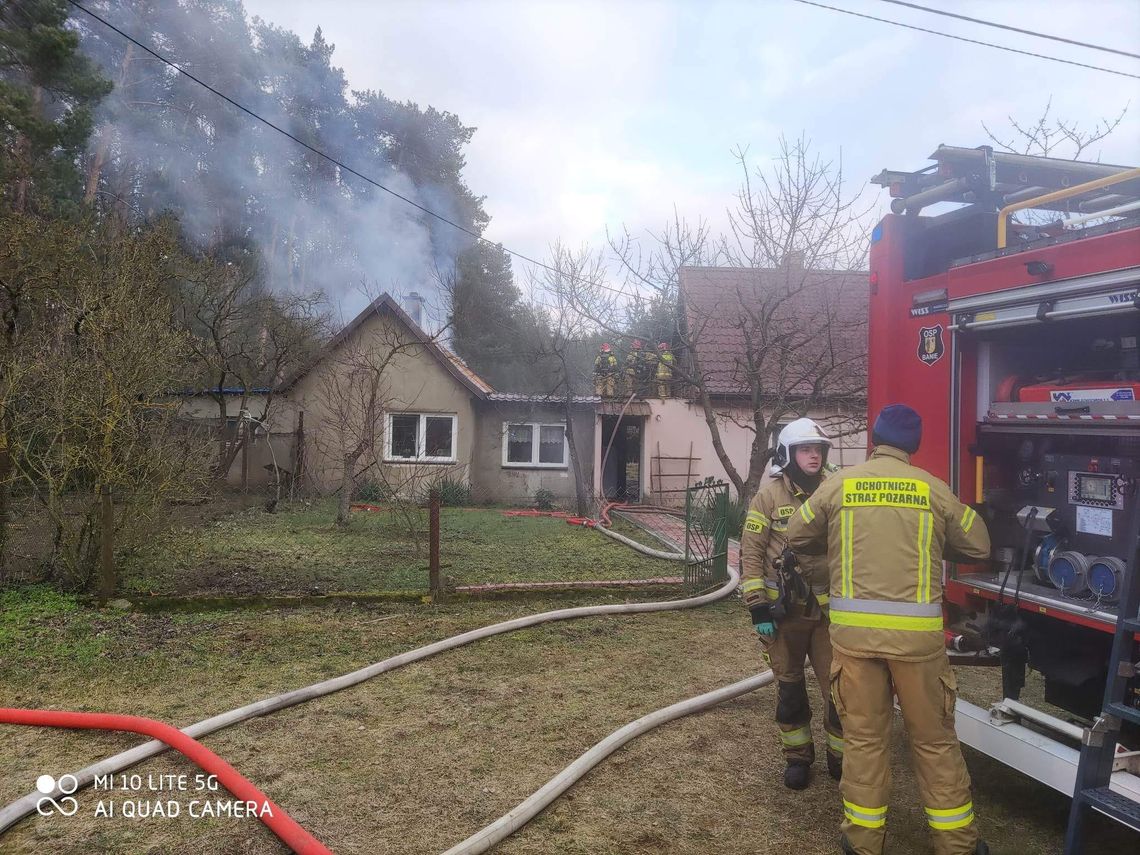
x=801 y=632
x=634 y=368
x=605 y=372
x=886 y=526
x=664 y=369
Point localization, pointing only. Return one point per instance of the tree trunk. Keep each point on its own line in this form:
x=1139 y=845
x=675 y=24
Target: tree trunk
x=95 y=171
x=718 y=445
x=5 y=475
x=580 y=492
x=343 y=510
x=107 y=580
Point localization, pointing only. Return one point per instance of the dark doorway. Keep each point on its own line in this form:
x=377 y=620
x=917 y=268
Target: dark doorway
x=621 y=469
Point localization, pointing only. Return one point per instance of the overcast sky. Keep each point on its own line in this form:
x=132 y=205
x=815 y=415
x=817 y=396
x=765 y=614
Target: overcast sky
x=597 y=114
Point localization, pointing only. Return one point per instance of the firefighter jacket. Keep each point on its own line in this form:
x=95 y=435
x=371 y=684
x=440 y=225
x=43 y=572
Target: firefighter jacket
x=885 y=527
x=605 y=364
x=763 y=541
x=664 y=365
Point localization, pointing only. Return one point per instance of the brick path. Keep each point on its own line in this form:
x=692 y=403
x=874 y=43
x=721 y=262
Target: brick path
x=668 y=528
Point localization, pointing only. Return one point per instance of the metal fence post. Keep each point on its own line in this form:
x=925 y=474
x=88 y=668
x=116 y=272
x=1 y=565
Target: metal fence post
x=433 y=544
x=720 y=536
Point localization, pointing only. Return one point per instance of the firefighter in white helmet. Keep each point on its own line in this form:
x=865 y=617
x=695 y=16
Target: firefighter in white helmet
x=787 y=598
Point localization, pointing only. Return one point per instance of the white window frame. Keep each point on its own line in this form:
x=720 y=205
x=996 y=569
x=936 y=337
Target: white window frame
x=421 y=438
x=536 y=436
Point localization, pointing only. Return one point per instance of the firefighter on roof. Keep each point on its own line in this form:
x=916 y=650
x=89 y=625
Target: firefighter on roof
x=605 y=372
x=885 y=527
x=634 y=368
x=664 y=369
x=787 y=603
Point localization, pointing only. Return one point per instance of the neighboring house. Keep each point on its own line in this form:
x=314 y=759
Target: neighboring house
x=733 y=316
x=438 y=418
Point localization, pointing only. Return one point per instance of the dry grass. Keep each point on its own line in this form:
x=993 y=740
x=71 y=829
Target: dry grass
x=414 y=761
x=300 y=551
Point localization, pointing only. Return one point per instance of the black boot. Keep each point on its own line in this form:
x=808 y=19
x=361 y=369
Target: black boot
x=834 y=766
x=796 y=775
x=982 y=848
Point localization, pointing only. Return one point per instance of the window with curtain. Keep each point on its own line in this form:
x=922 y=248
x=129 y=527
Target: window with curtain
x=534 y=444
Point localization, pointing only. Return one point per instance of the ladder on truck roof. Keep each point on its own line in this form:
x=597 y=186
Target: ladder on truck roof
x=1098 y=744
x=994 y=179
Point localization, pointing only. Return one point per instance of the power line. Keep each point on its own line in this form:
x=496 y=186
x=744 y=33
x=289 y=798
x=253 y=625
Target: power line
x=964 y=39
x=336 y=162
x=1011 y=29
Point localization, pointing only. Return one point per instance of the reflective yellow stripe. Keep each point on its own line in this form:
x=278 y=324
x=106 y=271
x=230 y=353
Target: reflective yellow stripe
x=868 y=817
x=926 y=552
x=822 y=599
x=755 y=521
x=925 y=532
x=875 y=621
x=806 y=512
x=918 y=546
x=773 y=593
x=968 y=517
x=751 y=585
x=846 y=523
x=835 y=743
x=795 y=738
x=947 y=819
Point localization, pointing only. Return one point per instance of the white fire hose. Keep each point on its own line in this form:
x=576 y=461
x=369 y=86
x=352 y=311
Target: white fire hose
x=26 y=805
x=524 y=812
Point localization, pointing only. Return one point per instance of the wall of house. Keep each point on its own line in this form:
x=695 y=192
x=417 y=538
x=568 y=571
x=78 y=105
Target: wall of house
x=517 y=485
x=415 y=381
x=676 y=428
x=260 y=457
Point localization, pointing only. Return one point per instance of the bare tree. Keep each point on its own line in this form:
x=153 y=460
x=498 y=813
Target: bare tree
x=796 y=343
x=353 y=393
x=244 y=337
x=1050 y=136
x=91 y=429
x=564 y=298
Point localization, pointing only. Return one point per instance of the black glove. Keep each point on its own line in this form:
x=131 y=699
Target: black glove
x=763 y=621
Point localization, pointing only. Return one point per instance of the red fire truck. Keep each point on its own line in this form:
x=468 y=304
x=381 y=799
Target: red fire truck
x=1005 y=309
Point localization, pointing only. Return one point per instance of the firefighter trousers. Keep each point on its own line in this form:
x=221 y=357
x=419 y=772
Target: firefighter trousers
x=862 y=690
x=798 y=638
x=605 y=385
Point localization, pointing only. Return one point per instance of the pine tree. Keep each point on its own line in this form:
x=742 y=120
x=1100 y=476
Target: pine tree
x=47 y=92
x=489 y=320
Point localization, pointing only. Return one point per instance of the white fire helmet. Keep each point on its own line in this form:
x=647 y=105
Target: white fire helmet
x=799 y=432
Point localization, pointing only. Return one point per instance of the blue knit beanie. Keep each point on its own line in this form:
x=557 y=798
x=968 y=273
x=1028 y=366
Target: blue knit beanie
x=898 y=425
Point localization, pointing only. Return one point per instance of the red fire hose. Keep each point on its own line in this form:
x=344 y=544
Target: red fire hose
x=279 y=822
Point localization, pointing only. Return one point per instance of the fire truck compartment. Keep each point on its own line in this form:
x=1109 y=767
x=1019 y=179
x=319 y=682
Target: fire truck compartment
x=1057 y=471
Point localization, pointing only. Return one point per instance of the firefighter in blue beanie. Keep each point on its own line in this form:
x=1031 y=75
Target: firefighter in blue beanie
x=885 y=527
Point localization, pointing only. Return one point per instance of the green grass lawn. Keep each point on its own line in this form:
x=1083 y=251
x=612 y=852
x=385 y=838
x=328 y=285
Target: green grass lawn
x=301 y=551
x=412 y=762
